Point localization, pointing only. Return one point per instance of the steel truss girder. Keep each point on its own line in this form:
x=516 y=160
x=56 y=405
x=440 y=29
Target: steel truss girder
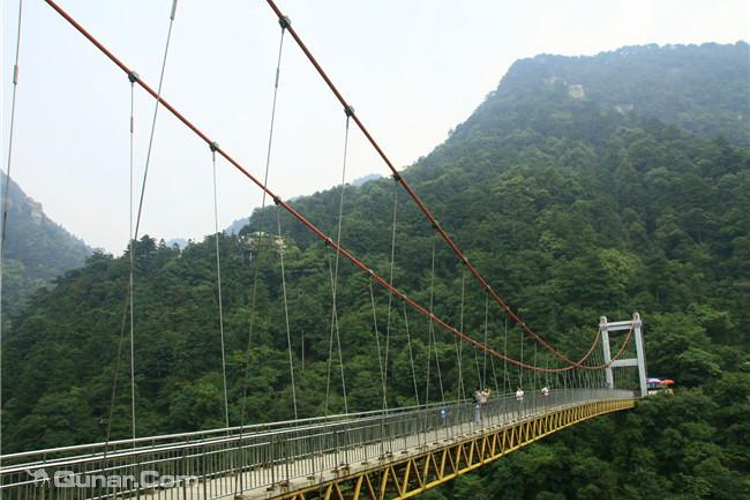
x=408 y=477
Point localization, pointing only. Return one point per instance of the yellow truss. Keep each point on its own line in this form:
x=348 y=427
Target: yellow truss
x=408 y=477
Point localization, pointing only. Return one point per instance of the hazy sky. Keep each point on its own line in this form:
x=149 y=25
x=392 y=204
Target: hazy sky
x=413 y=69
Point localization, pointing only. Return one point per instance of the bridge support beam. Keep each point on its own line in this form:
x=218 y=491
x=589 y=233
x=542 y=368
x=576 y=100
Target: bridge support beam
x=639 y=361
x=404 y=478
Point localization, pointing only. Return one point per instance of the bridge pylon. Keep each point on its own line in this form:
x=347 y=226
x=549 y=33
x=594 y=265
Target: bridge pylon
x=639 y=361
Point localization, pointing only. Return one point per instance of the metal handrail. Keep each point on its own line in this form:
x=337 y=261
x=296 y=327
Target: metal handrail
x=246 y=429
x=265 y=455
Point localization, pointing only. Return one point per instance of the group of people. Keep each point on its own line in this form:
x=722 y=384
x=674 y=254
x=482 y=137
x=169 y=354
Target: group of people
x=481 y=396
x=520 y=394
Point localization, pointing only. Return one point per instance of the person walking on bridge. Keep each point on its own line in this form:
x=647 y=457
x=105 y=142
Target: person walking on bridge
x=484 y=396
x=477 y=405
x=519 y=398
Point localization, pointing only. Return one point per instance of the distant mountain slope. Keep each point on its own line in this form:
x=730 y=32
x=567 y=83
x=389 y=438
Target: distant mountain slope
x=236 y=226
x=704 y=89
x=37 y=250
x=361 y=181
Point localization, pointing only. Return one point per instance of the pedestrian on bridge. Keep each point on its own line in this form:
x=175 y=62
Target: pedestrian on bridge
x=477 y=405
x=484 y=396
x=519 y=399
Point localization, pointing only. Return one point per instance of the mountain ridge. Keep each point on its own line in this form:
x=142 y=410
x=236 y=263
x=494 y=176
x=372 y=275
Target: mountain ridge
x=37 y=250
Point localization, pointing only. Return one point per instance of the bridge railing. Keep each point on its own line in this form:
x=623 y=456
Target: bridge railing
x=220 y=462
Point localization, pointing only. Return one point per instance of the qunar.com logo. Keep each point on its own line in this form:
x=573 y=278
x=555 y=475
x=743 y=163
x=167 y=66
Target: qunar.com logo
x=70 y=479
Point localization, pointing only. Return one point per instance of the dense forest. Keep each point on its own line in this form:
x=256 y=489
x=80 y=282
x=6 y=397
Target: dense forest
x=580 y=187
x=36 y=249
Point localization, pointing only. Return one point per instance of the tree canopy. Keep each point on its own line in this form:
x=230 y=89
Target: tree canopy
x=573 y=205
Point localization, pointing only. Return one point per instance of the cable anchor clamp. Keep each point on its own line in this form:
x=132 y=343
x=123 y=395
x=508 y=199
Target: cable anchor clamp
x=285 y=22
x=349 y=110
x=133 y=77
x=276 y=200
x=396 y=176
x=174 y=10
x=214 y=146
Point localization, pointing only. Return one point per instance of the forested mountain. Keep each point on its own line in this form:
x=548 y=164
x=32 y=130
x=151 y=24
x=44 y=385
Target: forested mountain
x=701 y=88
x=36 y=249
x=571 y=207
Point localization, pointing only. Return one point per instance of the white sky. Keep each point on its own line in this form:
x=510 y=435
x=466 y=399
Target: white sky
x=413 y=69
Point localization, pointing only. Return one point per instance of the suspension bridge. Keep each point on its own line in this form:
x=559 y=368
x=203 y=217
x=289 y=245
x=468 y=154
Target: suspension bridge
x=384 y=453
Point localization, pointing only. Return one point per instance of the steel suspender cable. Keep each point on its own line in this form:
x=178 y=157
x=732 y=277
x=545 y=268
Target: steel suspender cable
x=271 y=126
x=390 y=282
x=460 y=345
x=411 y=356
x=11 y=136
x=377 y=342
x=486 y=319
x=284 y=22
x=486 y=342
x=330 y=337
x=598 y=374
x=115 y=378
x=382 y=370
x=338 y=242
x=294 y=213
x=390 y=295
x=334 y=331
x=280 y=242
x=335 y=281
x=437 y=364
x=153 y=120
x=286 y=312
x=431 y=329
x=258 y=241
x=5 y=204
x=218 y=286
x=506 y=379
x=476 y=357
x=479 y=369
x=494 y=376
x=520 y=368
x=131 y=264
x=133 y=77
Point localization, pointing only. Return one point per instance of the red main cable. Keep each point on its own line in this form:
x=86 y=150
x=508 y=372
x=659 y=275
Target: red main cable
x=318 y=232
x=426 y=211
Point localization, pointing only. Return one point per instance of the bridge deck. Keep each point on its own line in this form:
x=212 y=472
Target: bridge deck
x=372 y=455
